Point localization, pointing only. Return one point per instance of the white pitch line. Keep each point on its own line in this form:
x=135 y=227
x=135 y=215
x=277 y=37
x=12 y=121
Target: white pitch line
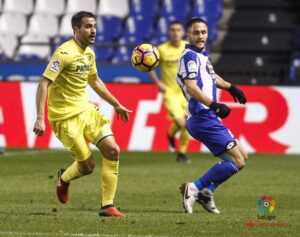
x=6 y=233
x=30 y=152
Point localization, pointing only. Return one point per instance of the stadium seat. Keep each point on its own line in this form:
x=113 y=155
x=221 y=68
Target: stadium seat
x=8 y=43
x=294 y=72
x=18 y=6
x=44 y=24
x=210 y=8
x=177 y=8
x=13 y=23
x=145 y=8
x=263 y=19
x=138 y=30
x=118 y=8
x=103 y=53
x=260 y=41
x=74 y=6
x=65 y=27
x=108 y=28
x=34 y=47
x=55 y=7
x=122 y=55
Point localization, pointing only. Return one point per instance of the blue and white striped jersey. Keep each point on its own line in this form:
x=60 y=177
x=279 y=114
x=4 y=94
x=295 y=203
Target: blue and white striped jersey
x=194 y=64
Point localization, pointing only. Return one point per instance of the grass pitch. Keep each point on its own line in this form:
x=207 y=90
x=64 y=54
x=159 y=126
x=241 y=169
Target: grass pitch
x=148 y=193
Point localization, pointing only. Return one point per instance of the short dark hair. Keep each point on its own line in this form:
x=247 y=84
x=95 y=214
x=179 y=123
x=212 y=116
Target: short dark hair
x=175 y=22
x=195 y=20
x=76 y=18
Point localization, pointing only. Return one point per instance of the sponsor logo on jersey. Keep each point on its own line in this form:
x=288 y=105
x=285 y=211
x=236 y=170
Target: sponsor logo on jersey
x=55 y=65
x=83 y=68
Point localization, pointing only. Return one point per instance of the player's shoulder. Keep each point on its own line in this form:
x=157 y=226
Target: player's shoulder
x=164 y=46
x=65 y=50
x=188 y=54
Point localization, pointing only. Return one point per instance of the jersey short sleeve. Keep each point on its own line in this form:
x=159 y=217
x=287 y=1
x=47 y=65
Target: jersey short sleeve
x=59 y=60
x=189 y=65
x=93 y=69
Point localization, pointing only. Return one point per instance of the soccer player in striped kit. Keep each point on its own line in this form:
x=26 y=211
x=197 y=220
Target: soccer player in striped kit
x=199 y=84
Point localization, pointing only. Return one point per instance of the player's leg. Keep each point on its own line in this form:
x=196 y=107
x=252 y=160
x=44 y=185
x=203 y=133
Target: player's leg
x=183 y=139
x=70 y=133
x=177 y=114
x=219 y=141
x=174 y=127
x=109 y=175
x=98 y=131
x=83 y=165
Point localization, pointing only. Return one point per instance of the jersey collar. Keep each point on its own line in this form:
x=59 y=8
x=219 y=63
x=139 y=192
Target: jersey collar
x=191 y=47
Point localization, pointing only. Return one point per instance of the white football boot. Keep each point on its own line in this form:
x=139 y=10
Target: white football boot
x=190 y=195
x=206 y=199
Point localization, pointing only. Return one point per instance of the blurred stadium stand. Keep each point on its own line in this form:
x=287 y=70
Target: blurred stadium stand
x=252 y=42
x=255 y=43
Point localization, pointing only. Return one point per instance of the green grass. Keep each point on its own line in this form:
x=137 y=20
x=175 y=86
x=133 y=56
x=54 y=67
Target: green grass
x=148 y=193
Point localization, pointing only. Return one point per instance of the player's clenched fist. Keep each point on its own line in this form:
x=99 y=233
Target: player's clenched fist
x=221 y=110
x=39 y=127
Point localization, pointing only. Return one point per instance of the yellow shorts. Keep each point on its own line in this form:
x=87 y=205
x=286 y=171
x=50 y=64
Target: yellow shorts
x=176 y=104
x=75 y=132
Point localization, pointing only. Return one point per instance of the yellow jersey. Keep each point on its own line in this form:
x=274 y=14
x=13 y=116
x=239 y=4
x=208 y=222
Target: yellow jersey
x=169 y=57
x=68 y=70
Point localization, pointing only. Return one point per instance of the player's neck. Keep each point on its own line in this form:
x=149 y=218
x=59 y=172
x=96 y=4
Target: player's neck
x=175 y=43
x=80 y=43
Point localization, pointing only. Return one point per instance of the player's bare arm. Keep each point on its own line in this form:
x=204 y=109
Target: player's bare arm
x=41 y=97
x=196 y=92
x=237 y=94
x=221 y=110
x=221 y=83
x=161 y=86
x=99 y=87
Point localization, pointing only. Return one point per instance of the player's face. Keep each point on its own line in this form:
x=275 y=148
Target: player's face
x=87 y=31
x=197 y=35
x=176 y=32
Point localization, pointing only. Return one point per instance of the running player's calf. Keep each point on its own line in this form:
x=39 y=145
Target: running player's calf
x=75 y=171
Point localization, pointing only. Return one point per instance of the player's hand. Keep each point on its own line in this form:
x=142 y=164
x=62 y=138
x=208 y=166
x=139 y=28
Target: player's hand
x=161 y=87
x=122 y=112
x=39 y=127
x=221 y=110
x=237 y=94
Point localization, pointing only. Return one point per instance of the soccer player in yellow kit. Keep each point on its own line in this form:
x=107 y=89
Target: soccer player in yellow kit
x=73 y=119
x=170 y=53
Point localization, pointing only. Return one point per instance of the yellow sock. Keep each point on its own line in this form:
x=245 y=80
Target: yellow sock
x=183 y=140
x=71 y=173
x=109 y=175
x=173 y=129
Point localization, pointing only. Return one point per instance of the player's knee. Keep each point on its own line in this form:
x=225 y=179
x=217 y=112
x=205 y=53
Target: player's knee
x=113 y=153
x=181 y=123
x=87 y=167
x=240 y=162
x=245 y=156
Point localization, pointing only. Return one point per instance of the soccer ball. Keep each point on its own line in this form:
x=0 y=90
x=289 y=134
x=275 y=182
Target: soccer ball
x=145 y=57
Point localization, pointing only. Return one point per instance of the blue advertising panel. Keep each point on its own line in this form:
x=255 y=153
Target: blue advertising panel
x=108 y=73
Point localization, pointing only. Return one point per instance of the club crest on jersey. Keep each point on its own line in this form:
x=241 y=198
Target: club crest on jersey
x=192 y=66
x=55 y=65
